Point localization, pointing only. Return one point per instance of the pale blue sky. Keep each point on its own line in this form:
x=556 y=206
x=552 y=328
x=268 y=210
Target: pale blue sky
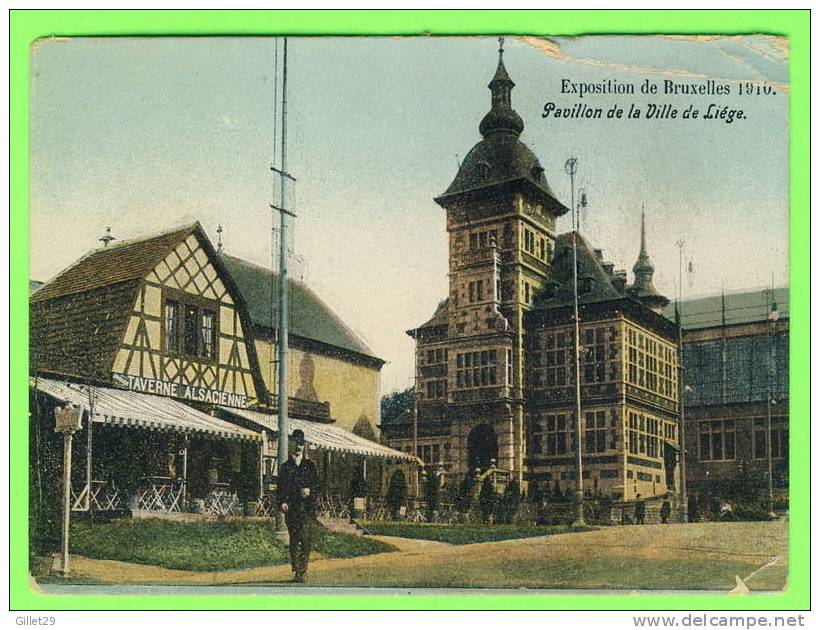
x=142 y=134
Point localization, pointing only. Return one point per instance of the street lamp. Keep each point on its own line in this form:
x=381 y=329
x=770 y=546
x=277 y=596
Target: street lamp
x=773 y=317
x=67 y=420
x=682 y=388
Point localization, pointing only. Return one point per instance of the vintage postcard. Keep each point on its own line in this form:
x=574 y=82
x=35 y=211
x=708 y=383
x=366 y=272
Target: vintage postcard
x=489 y=312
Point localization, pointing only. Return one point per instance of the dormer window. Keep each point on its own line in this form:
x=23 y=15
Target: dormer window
x=586 y=284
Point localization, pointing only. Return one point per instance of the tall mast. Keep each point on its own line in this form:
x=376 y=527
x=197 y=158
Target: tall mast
x=282 y=293
x=282 y=333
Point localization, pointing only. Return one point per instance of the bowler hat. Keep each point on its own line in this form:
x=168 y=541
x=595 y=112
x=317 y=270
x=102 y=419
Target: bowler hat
x=298 y=437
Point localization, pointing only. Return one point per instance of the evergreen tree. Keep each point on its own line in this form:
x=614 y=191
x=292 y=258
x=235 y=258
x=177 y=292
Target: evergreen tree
x=396 y=493
x=487 y=499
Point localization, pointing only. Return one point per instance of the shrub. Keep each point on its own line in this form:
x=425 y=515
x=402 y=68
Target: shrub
x=507 y=506
x=431 y=494
x=247 y=486
x=396 y=493
x=487 y=499
x=464 y=500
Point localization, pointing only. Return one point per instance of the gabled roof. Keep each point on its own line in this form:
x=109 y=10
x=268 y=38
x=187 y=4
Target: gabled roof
x=590 y=272
x=741 y=307
x=128 y=260
x=78 y=319
x=310 y=317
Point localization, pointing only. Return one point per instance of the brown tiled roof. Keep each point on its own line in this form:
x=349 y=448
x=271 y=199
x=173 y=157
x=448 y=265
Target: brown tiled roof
x=79 y=333
x=129 y=260
x=78 y=319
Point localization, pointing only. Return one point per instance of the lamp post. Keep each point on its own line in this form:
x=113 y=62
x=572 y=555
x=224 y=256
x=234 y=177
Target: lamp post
x=571 y=168
x=773 y=317
x=67 y=420
x=681 y=390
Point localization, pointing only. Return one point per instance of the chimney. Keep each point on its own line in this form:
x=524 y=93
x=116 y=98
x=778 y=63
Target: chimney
x=609 y=268
x=599 y=255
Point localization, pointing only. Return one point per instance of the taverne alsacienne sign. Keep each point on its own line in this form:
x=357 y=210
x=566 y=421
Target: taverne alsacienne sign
x=179 y=390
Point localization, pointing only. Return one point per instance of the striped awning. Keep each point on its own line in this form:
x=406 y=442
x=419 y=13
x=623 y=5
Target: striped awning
x=325 y=436
x=125 y=408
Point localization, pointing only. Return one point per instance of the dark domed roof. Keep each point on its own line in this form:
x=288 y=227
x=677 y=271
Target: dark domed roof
x=501 y=157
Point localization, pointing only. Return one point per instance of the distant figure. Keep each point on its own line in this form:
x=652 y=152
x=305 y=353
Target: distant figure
x=693 y=509
x=726 y=511
x=666 y=510
x=640 y=510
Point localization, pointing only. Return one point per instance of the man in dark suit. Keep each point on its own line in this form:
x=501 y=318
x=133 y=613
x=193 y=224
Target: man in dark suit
x=297 y=499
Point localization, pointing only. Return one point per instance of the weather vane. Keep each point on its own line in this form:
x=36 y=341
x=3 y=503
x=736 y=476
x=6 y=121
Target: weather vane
x=500 y=46
x=107 y=238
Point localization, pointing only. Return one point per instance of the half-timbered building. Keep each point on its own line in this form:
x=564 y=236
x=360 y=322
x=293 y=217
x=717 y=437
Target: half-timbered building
x=153 y=339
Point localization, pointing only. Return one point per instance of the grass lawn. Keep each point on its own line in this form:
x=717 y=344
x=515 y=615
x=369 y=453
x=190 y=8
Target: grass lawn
x=464 y=534
x=204 y=545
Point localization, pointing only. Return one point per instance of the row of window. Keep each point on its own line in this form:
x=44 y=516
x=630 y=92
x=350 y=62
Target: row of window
x=605 y=473
x=431 y=453
x=645 y=434
x=436 y=389
x=536 y=245
x=557 y=434
x=475 y=291
x=190 y=330
x=437 y=355
x=596 y=356
x=651 y=364
x=480 y=240
x=717 y=440
x=476 y=369
x=480 y=368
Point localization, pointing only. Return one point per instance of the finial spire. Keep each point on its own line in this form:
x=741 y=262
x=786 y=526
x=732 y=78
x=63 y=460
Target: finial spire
x=219 y=238
x=643 y=253
x=501 y=117
x=643 y=269
x=107 y=238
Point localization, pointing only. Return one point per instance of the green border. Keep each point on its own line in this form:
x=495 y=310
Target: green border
x=27 y=26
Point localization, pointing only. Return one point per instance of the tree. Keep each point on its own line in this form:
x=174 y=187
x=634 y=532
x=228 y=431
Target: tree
x=464 y=501
x=432 y=492
x=557 y=495
x=396 y=493
x=247 y=484
x=393 y=405
x=358 y=485
x=509 y=503
x=487 y=499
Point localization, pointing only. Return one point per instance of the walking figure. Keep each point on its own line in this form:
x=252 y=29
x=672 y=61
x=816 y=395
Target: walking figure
x=297 y=499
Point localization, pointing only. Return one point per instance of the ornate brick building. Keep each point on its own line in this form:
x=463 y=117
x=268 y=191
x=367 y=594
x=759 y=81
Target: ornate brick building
x=495 y=364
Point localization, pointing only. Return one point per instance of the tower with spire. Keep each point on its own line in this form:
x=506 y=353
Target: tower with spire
x=501 y=216
x=643 y=288
x=495 y=364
